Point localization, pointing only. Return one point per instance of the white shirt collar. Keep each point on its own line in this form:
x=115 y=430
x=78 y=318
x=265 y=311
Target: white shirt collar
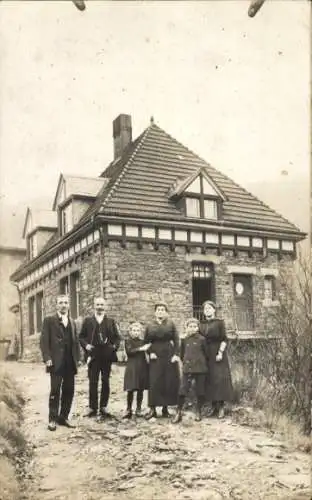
x=99 y=317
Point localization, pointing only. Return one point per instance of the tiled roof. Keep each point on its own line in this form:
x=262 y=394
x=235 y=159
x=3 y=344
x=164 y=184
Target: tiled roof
x=141 y=180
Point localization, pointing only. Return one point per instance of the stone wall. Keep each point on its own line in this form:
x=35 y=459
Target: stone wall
x=132 y=279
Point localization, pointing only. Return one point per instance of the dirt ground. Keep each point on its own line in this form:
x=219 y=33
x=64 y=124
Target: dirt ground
x=136 y=460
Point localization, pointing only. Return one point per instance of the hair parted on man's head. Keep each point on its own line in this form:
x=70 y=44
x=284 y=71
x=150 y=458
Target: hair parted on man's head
x=99 y=297
x=61 y=295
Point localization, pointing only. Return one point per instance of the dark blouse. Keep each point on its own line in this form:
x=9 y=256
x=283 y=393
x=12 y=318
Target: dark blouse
x=164 y=333
x=213 y=330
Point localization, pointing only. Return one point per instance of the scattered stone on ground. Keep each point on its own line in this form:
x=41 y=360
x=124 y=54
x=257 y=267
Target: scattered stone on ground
x=155 y=460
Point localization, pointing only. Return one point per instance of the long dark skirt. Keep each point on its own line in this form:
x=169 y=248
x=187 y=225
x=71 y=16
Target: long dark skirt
x=136 y=373
x=164 y=381
x=219 y=381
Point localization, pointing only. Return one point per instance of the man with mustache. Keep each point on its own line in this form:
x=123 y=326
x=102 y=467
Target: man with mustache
x=100 y=339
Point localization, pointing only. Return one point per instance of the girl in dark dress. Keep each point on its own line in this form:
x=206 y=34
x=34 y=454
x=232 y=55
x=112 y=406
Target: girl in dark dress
x=164 y=378
x=219 y=382
x=136 y=372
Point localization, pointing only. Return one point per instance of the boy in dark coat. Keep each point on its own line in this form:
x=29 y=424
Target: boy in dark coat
x=136 y=372
x=194 y=357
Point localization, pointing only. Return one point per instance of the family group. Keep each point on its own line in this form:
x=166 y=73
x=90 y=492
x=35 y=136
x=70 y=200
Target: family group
x=159 y=360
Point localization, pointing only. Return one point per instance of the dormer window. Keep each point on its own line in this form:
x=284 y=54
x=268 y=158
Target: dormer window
x=198 y=196
x=201 y=208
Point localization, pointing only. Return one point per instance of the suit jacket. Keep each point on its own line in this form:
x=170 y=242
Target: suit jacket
x=109 y=334
x=52 y=342
x=194 y=354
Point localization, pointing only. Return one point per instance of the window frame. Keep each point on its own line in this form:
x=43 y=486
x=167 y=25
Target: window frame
x=202 y=197
x=273 y=296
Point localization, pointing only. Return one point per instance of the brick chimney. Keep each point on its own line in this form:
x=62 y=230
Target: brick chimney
x=122 y=134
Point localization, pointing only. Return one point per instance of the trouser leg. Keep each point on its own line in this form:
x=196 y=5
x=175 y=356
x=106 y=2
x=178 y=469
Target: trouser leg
x=54 y=398
x=105 y=389
x=68 y=388
x=94 y=372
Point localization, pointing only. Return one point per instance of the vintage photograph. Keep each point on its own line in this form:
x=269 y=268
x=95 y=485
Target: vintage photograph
x=155 y=250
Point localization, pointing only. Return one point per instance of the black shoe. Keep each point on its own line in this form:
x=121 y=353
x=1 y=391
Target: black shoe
x=92 y=413
x=151 y=414
x=221 y=412
x=104 y=414
x=138 y=412
x=165 y=413
x=128 y=414
x=65 y=423
x=52 y=426
x=213 y=412
x=198 y=416
x=178 y=417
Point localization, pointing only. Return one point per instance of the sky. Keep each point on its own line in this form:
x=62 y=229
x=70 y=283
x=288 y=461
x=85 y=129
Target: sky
x=233 y=89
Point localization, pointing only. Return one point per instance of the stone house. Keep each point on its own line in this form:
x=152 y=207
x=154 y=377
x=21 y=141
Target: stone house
x=159 y=222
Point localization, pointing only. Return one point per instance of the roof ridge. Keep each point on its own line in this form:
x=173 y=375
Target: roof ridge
x=227 y=177
x=126 y=166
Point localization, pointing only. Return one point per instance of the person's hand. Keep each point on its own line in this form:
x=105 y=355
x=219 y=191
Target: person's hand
x=145 y=347
x=153 y=355
x=219 y=356
x=49 y=363
x=174 y=358
x=89 y=347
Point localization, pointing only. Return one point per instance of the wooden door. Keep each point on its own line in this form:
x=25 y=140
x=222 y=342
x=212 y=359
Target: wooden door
x=243 y=299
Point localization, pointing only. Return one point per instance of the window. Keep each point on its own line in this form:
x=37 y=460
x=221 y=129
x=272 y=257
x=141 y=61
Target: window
x=74 y=281
x=203 y=285
x=210 y=209
x=66 y=219
x=269 y=288
x=201 y=200
x=64 y=286
x=31 y=315
x=32 y=246
x=192 y=207
x=39 y=311
x=70 y=285
x=201 y=208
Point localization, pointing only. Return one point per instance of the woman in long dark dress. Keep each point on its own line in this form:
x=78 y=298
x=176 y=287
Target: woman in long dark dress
x=164 y=378
x=219 y=382
x=136 y=372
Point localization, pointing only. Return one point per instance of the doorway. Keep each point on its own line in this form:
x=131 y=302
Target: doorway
x=203 y=285
x=243 y=300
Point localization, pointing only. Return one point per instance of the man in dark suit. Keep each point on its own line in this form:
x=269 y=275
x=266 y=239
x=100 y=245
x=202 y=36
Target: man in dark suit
x=60 y=351
x=100 y=339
